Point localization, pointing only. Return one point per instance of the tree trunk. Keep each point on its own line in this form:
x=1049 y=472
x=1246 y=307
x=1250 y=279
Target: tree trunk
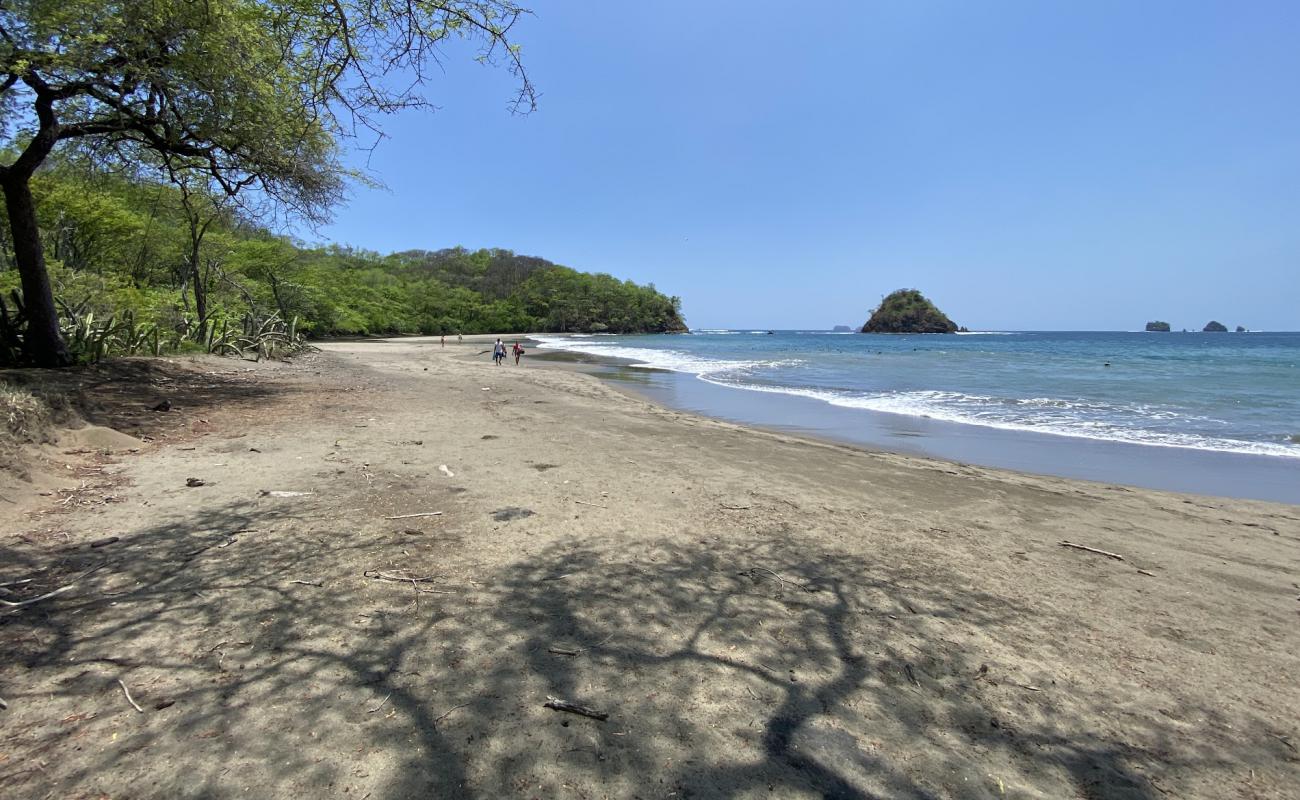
x=42 y=341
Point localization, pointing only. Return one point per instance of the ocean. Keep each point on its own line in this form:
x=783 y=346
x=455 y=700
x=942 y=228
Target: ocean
x=1221 y=408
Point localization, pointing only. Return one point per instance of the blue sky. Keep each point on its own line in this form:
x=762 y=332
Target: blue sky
x=1028 y=165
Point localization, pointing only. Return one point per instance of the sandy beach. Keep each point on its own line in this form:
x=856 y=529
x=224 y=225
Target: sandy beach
x=393 y=553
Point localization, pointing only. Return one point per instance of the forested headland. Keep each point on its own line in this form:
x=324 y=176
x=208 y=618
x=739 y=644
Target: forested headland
x=147 y=157
x=184 y=265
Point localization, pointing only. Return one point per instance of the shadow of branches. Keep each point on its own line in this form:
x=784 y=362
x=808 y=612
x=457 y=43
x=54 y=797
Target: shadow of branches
x=269 y=659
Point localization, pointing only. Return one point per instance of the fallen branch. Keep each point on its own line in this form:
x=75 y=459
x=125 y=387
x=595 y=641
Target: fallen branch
x=1105 y=553
x=127 y=692
x=735 y=508
x=422 y=514
x=45 y=596
x=317 y=584
x=384 y=576
x=560 y=705
x=1145 y=572
x=594 y=505
x=381 y=703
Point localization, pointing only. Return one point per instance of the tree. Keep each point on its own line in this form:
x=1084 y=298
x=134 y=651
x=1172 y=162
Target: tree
x=250 y=94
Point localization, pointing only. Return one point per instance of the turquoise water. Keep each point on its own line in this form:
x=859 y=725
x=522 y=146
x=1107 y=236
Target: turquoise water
x=1231 y=393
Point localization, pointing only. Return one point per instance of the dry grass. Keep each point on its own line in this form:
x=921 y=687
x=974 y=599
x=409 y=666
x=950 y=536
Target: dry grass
x=27 y=417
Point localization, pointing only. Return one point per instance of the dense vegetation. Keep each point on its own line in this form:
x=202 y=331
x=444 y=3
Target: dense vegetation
x=908 y=311
x=243 y=99
x=1158 y=327
x=183 y=267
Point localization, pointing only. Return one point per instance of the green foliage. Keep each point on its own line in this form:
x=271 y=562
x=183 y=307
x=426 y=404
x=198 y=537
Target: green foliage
x=1158 y=327
x=908 y=311
x=125 y=284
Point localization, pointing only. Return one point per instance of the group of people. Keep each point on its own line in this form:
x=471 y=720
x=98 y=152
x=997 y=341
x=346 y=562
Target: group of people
x=499 y=352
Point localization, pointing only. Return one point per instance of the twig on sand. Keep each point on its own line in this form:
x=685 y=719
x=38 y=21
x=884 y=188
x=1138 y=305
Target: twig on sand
x=561 y=705
x=734 y=508
x=317 y=584
x=381 y=703
x=7 y=500
x=1105 y=553
x=384 y=576
x=447 y=713
x=569 y=651
x=1284 y=741
x=127 y=692
x=421 y=514
x=594 y=505
x=752 y=572
x=45 y=596
x=1145 y=572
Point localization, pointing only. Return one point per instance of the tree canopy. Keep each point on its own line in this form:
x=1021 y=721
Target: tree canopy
x=237 y=93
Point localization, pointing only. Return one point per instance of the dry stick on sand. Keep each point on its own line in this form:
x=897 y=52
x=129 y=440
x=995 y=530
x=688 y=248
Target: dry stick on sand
x=14 y=607
x=422 y=514
x=568 y=651
x=594 y=505
x=735 y=508
x=381 y=703
x=317 y=584
x=127 y=692
x=384 y=576
x=560 y=705
x=1105 y=553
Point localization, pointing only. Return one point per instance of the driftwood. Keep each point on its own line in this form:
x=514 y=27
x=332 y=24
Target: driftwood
x=593 y=505
x=106 y=541
x=561 y=705
x=317 y=584
x=46 y=596
x=1105 y=553
x=421 y=514
x=127 y=692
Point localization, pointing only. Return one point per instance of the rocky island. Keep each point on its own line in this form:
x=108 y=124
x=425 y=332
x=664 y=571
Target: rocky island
x=908 y=311
x=1214 y=326
x=1158 y=327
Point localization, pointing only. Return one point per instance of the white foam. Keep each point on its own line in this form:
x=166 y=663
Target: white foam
x=1048 y=415
x=948 y=407
x=650 y=358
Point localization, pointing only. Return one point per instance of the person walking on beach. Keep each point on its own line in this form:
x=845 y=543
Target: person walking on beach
x=498 y=352
x=444 y=340
x=518 y=351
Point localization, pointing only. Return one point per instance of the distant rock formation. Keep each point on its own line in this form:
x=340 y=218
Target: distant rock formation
x=908 y=311
x=1159 y=327
x=1240 y=329
x=841 y=329
x=1214 y=326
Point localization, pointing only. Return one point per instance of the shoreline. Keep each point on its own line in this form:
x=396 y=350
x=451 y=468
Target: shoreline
x=398 y=552
x=1150 y=466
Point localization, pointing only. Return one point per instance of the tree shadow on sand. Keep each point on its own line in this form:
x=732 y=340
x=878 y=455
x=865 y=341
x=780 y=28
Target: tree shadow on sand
x=728 y=669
